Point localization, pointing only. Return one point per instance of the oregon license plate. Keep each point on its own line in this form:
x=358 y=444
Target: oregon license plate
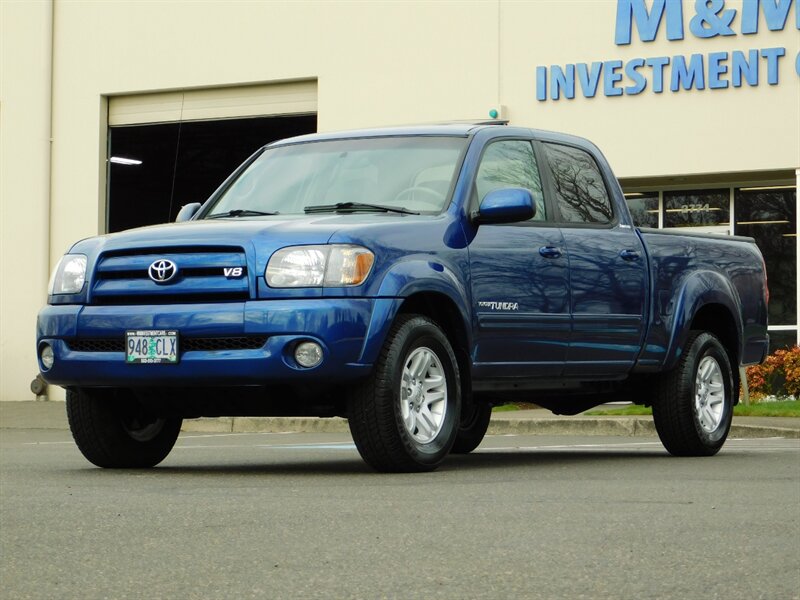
x=151 y=347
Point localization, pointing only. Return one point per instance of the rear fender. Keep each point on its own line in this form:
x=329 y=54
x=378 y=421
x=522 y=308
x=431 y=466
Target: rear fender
x=701 y=289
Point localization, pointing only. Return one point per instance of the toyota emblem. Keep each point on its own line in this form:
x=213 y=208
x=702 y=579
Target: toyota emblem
x=162 y=271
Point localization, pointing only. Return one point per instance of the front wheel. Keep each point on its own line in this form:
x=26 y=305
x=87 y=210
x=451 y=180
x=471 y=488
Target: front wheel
x=472 y=429
x=694 y=408
x=113 y=430
x=405 y=416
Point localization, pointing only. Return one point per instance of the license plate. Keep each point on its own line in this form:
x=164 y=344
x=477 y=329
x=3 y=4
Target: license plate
x=151 y=347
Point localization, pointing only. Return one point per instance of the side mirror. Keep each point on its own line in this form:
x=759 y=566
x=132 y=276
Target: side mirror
x=187 y=211
x=507 y=205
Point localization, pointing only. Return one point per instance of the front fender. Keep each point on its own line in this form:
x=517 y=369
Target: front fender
x=423 y=275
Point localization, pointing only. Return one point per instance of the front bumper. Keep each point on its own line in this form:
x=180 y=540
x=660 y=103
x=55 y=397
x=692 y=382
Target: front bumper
x=349 y=330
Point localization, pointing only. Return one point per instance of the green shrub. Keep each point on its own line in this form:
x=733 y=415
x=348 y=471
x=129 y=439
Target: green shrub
x=779 y=375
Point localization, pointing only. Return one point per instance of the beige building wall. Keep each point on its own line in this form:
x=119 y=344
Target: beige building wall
x=375 y=63
x=25 y=54
x=651 y=135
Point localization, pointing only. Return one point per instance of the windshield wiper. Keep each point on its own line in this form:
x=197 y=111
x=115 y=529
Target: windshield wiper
x=357 y=206
x=241 y=212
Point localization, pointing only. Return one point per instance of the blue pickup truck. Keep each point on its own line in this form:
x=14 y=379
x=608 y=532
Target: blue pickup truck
x=409 y=280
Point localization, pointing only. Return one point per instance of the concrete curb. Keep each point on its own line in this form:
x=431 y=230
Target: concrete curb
x=266 y=425
x=51 y=415
x=758 y=431
x=603 y=426
x=625 y=426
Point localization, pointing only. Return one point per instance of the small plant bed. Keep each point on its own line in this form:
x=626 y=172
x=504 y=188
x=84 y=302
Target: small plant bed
x=629 y=410
x=781 y=408
x=774 y=387
x=514 y=406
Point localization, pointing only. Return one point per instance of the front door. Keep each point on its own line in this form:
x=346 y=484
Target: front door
x=520 y=281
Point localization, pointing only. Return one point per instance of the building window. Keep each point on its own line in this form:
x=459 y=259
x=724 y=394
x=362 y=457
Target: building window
x=770 y=217
x=785 y=338
x=767 y=214
x=644 y=208
x=698 y=208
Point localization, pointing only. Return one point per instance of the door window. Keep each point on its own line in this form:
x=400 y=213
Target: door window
x=511 y=163
x=581 y=193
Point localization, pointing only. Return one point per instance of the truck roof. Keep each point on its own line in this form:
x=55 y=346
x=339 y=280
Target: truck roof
x=452 y=129
x=458 y=129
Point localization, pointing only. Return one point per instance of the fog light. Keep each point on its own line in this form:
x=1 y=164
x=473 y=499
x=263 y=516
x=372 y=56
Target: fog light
x=47 y=356
x=308 y=354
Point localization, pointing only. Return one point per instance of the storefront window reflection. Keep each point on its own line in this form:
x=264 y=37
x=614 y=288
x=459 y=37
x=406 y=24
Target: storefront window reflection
x=769 y=216
x=644 y=209
x=782 y=339
x=697 y=208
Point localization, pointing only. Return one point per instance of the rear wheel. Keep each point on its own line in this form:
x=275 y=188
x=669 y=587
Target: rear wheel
x=405 y=416
x=694 y=408
x=113 y=430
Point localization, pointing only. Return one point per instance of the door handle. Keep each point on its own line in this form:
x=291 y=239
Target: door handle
x=550 y=252
x=629 y=255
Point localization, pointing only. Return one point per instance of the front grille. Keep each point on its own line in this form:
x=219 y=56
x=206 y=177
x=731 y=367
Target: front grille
x=160 y=299
x=210 y=274
x=198 y=344
x=185 y=272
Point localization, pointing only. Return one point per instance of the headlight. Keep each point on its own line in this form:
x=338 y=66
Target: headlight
x=315 y=266
x=69 y=275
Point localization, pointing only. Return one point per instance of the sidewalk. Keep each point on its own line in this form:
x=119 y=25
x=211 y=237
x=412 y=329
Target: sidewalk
x=51 y=415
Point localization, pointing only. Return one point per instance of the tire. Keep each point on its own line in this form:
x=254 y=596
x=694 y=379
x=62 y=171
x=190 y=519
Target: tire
x=472 y=428
x=694 y=407
x=405 y=416
x=114 y=431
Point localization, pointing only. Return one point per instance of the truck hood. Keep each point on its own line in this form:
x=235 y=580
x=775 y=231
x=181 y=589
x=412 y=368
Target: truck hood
x=202 y=251
x=264 y=233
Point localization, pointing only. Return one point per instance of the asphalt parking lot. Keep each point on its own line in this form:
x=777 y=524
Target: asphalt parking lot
x=299 y=515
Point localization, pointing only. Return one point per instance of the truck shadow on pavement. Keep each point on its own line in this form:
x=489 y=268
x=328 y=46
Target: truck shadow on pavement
x=536 y=460
x=548 y=459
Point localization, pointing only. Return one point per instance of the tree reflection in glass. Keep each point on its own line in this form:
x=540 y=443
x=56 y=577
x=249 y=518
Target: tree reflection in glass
x=580 y=191
x=511 y=163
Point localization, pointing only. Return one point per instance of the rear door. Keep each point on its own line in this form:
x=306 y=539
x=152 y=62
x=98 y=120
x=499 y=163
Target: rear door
x=519 y=275
x=607 y=267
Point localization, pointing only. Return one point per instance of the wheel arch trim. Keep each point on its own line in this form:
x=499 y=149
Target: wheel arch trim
x=704 y=290
x=404 y=282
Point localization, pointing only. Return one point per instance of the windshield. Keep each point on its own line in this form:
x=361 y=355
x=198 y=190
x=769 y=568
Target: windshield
x=410 y=173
